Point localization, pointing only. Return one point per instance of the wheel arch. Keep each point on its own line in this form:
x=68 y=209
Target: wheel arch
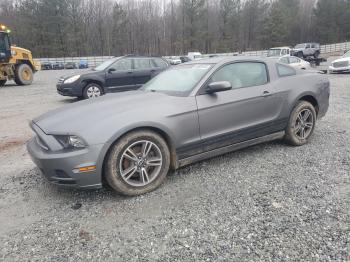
x=311 y=99
x=86 y=82
x=27 y=62
x=154 y=128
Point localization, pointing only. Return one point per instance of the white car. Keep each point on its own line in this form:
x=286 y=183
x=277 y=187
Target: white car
x=295 y=62
x=341 y=65
x=174 y=60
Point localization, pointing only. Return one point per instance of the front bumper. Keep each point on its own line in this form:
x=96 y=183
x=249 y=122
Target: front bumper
x=58 y=167
x=339 y=69
x=73 y=89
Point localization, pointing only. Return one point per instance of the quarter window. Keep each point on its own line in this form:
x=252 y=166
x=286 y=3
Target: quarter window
x=284 y=71
x=243 y=74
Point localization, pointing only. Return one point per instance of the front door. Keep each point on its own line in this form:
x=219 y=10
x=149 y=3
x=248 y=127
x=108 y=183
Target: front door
x=119 y=76
x=248 y=111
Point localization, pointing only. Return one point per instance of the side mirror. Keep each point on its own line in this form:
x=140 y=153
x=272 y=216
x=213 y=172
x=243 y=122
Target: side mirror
x=111 y=70
x=218 y=87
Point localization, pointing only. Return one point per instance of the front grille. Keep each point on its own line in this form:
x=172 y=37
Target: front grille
x=341 y=64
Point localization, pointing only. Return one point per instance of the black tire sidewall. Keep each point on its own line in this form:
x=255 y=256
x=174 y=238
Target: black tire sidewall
x=112 y=172
x=86 y=88
x=290 y=137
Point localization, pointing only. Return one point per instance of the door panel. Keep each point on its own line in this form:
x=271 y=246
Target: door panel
x=142 y=71
x=239 y=114
x=121 y=79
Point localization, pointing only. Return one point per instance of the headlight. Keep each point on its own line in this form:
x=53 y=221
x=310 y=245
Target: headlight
x=71 y=79
x=71 y=142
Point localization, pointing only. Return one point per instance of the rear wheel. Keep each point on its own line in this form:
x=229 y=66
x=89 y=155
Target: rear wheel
x=138 y=163
x=92 y=90
x=301 y=124
x=3 y=82
x=23 y=75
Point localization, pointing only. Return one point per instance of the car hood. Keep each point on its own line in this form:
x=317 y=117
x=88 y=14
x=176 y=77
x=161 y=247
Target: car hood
x=343 y=59
x=97 y=119
x=86 y=73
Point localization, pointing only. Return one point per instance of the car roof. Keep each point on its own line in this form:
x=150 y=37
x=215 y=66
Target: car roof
x=226 y=59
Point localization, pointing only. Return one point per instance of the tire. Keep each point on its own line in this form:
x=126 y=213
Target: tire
x=317 y=54
x=3 y=82
x=301 y=125
x=134 y=164
x=92 y=90
x=23 y=75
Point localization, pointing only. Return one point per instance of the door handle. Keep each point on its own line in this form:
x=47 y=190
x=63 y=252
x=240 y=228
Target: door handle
x=130 y=72
x=266 y=94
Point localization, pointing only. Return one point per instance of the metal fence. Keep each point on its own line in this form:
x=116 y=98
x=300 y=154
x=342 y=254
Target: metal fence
x=95 y=60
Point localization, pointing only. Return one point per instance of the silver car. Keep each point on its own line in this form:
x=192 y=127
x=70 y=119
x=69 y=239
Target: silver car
x=186 y=114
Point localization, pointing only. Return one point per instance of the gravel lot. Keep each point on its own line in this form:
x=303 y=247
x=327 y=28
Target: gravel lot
x=267 y=202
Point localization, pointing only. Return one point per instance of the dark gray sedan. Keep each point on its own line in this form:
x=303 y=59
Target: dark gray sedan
x=186 y=114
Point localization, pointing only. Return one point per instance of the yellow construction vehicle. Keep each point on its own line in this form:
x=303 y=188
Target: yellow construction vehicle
x=15 y=63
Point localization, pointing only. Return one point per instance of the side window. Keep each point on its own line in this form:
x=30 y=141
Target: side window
x=122 y=65
x=284 y=60
x=294 y=60
x=284 y=51
x=156 y=62
x=242 y=74
x=285 y=70
x=307 y=46
x=142 y=63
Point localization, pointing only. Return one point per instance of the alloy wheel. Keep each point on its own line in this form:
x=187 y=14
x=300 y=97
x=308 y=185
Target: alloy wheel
x=141 y=163
x=304 y=124
x=93 y=91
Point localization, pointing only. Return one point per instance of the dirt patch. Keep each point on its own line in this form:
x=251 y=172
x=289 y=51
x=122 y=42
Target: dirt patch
x=12 y=143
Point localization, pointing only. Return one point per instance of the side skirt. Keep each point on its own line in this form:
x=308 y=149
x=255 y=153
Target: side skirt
x=230 y=148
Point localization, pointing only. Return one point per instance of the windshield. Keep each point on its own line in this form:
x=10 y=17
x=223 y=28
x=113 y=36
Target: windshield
x=347 y=54
x=104 y=65
x=300 y=46
x=274 y=52
x=179 y=80
x=4 y=42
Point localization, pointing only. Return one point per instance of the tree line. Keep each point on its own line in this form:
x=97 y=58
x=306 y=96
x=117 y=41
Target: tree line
x=57 y=28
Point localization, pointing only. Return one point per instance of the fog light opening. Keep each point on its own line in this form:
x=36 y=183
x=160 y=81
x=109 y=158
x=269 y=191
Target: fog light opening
x=84 y=169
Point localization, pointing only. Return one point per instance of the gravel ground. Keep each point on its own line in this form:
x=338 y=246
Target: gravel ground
x=267 y=202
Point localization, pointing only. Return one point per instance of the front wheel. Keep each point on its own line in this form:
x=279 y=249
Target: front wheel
x=92 y=90
x=301 y=124
x=23 y=75
x=138 y=163
x=3 y=82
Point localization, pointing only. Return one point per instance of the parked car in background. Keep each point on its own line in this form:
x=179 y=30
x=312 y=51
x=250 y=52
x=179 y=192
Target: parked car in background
x=185 y=59
x=174 y=60
x=58 y=65
x=279 y=51
x=295 y=62
x=83 y=64
x=186 y=114
x=306 y=50
x=195 y=55
x=114 y=75
x=341 y=65
x=46 y=66
x=70 y=65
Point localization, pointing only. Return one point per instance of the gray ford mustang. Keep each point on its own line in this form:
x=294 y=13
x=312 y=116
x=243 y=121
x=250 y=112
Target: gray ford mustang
x=186 y=114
